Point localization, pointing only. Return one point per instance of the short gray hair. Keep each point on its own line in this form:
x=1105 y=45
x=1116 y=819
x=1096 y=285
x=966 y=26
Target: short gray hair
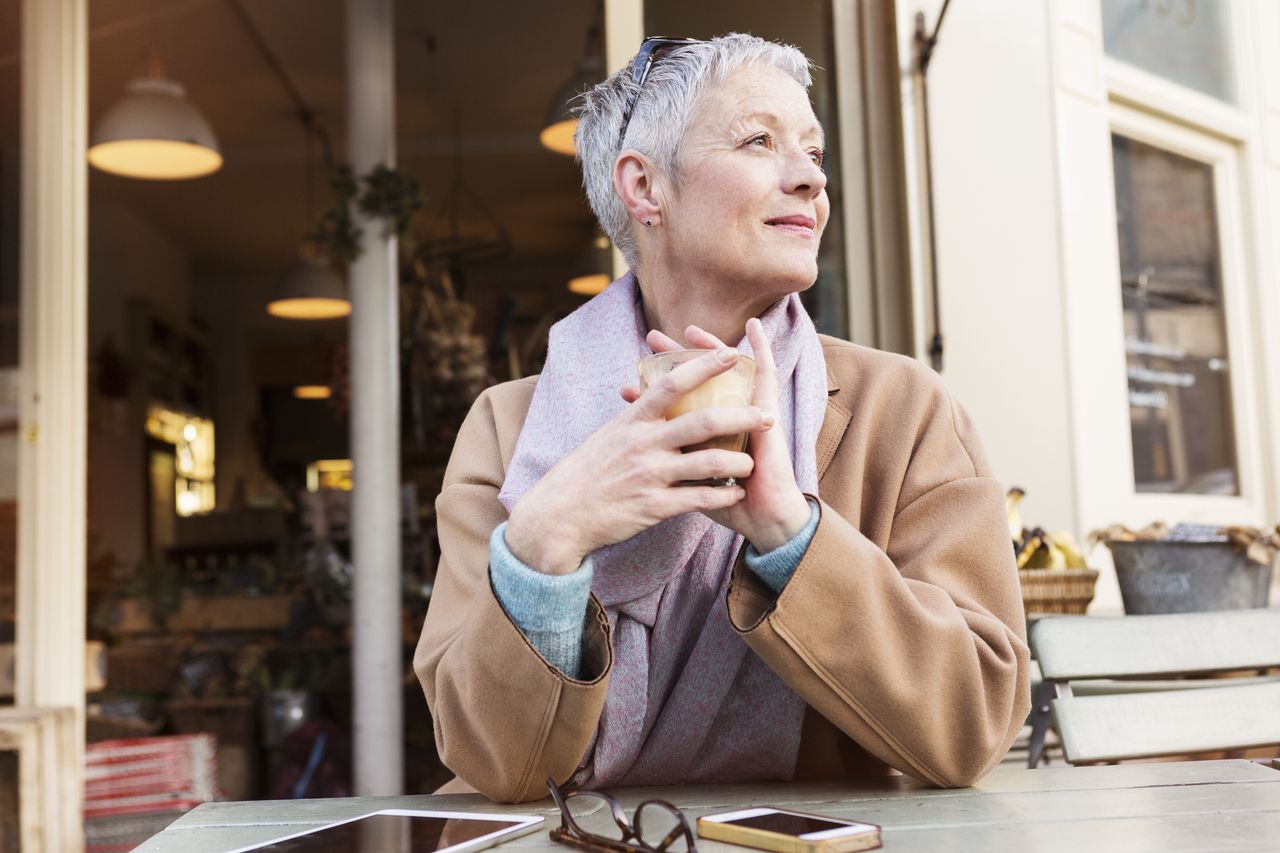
x=662 y=112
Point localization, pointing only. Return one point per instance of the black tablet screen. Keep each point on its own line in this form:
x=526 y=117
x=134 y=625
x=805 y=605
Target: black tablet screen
x=389 y=834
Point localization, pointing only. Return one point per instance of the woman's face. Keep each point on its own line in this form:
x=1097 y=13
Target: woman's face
x=751 y=204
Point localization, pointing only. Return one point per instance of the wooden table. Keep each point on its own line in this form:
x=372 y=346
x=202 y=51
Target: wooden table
x=1182 y=806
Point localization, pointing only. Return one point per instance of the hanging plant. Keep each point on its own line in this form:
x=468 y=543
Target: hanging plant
x=391 y=195
x=385 y=193
x=336 y=233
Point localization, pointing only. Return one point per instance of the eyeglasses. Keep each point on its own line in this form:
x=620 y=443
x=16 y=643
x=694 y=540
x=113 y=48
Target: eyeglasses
x=651 y=49
x=631 y=837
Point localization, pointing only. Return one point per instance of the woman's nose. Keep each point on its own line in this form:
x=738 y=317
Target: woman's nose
x=804 y=176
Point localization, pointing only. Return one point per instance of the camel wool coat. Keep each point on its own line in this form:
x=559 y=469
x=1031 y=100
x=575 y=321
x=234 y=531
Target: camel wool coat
x=902 y=626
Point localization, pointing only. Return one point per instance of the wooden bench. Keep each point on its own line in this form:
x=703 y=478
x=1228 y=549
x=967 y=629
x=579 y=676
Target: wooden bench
x=1121 y=688
x=45 y=741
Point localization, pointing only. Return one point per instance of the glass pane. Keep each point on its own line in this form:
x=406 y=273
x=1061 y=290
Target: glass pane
x=1184 y=41
x=1175 y=332
x=807 y=25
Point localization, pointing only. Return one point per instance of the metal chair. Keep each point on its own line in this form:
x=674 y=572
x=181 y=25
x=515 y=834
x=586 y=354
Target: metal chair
x=1120 y=688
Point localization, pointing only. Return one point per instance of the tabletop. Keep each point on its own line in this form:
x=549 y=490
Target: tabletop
x=1172 y=807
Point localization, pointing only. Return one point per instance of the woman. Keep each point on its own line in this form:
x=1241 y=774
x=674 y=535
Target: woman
x=851 y=605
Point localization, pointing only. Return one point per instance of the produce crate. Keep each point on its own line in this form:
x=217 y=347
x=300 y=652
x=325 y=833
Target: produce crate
x=228 y=720
x=1062 y=591
x=141 y=667
x=100 y=727
x=221 y=613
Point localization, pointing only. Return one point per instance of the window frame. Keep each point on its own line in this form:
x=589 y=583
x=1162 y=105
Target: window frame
x=1168 y=115
x=1229 y=168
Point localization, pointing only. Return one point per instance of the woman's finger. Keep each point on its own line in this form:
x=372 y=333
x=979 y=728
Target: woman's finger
x=696 y=427
x=709 y=465
x=766 y=393
x=700 y=337
x=662 y=396
x=660 y=342
x=630 y=393
x=705 y=498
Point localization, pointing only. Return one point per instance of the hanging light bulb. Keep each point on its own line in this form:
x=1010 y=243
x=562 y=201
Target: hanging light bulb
x=311 y=291
x=557 y=132
x=154 y=133
x=594 y=270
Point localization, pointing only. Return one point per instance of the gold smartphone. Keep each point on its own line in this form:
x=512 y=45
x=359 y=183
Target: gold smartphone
x=784 y=831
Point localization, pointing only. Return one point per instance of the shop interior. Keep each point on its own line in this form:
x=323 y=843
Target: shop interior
x=219 y=478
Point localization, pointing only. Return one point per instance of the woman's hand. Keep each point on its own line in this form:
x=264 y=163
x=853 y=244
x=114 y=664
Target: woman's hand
x=625 y=477
x=773 y=509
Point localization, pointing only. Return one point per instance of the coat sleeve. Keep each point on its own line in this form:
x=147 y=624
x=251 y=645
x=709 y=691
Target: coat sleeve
x=917 y=651
x=505 y=719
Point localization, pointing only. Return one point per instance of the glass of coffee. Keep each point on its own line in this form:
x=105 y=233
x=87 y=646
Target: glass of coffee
x=734 y=387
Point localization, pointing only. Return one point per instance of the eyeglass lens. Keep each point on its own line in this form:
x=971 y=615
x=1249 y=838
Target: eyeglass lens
x=656 y=825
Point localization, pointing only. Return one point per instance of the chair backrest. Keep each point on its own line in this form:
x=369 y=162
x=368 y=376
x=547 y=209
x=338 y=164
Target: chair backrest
x=1077 y=647
x=1130 y=722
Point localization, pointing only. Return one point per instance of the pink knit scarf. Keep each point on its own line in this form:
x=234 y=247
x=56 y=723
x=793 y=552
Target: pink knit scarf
x=688 y=701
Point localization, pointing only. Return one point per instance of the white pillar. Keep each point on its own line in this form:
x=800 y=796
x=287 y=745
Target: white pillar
x=52 y=410
x=376 y=656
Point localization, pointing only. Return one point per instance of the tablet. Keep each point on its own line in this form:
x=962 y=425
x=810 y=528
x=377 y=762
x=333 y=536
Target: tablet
x=403 y=831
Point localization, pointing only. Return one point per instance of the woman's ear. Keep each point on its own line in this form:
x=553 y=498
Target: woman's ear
x=634 y=180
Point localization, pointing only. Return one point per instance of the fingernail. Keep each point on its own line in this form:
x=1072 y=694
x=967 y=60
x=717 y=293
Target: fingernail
x=767 y=418
x=727 y=355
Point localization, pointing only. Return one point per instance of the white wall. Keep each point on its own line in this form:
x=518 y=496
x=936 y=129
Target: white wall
x=998 y=244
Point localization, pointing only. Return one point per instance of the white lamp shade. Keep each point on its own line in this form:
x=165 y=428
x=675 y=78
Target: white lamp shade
x=311 y=291
x=154 y=133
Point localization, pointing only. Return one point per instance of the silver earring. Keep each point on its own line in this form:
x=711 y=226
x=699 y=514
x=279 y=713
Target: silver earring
x=648 y=222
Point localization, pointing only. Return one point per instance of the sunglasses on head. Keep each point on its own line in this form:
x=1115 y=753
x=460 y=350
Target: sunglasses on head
x=651 y=50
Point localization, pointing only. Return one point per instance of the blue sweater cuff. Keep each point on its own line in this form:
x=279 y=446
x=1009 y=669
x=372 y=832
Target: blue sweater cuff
x=550 y=610
x=776 y=567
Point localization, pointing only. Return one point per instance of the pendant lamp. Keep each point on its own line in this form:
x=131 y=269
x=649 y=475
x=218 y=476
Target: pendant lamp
x=558 y=129
x=594 y=270
x=312 y=392
x=154 y=133
x=311 y=291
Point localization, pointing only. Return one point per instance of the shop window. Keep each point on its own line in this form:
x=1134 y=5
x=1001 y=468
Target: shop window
x=1187 y=42
x=192 y=468
x=329 y=474
x=1180 y=404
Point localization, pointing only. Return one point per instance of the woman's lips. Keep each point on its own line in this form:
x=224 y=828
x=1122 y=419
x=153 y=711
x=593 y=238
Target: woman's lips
x=801 y=225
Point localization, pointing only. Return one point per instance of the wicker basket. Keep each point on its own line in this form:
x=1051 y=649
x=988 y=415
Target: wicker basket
x=1057 y=590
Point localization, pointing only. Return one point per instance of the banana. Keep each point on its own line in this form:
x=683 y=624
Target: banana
x=1041 y=552
x=1070 y=549
x=1029 y=551
x=1056 y=558
x=1011 y=500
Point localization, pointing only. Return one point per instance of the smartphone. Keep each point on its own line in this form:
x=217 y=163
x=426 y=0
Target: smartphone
x=784 y=831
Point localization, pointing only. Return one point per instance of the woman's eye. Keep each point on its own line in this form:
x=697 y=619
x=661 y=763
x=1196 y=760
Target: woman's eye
x=762 y=139
x=818 y=156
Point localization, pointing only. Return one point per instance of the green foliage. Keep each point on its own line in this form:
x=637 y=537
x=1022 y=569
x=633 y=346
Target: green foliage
x=385 y=193
x=391 y=195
